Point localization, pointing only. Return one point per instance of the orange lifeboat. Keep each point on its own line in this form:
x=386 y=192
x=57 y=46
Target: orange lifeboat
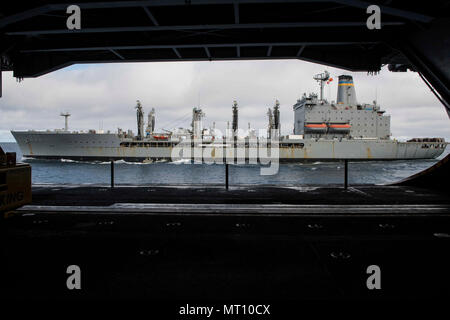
x=339 y=127
x=316 y=127
x=160 y=137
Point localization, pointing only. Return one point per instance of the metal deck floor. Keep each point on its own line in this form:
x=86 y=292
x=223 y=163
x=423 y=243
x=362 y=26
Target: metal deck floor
x=264 y=244
x=79 y=195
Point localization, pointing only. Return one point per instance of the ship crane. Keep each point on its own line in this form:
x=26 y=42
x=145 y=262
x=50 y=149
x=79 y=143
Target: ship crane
x=234 y=126
x=276 y=117
x=271 y=124
x=150 y=122
x=140 y=120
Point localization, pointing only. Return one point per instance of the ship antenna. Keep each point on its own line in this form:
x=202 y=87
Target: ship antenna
x=376 y=95
x=321 y=78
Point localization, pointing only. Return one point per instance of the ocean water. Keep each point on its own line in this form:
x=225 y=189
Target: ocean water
x=168 y=173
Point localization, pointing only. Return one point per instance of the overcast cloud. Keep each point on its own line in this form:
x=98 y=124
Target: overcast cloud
x=105 y=96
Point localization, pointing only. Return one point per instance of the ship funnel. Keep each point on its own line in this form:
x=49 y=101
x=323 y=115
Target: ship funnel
x=346 y=91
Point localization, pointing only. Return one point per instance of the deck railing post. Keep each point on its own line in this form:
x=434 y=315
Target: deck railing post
x=226 y=176
x=345 y=174
x=112 y=174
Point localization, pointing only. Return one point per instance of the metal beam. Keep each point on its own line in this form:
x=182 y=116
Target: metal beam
x=236 y=13
x=208 y=54
x=323 y=24
x=212 y=45
x=153 y=3
x=150 y=15
x=388 y=10
x=177 y=53
x=238 y=51
x=299 y=52
x=37 y=69
x=26 y=14
x=117 y=54
x=362 y=211
x=269 y=51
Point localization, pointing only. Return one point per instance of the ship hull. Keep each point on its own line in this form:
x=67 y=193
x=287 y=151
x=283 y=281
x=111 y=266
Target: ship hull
x=104 y=147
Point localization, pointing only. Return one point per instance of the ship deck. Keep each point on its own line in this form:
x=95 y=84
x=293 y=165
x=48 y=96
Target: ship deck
x=103 y=195
x=192 y=242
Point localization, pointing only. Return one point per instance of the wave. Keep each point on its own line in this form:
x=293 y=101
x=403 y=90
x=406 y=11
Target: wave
x=181 y=161
x=121 y=161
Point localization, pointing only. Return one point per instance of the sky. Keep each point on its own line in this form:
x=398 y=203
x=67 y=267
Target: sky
x=103 y=96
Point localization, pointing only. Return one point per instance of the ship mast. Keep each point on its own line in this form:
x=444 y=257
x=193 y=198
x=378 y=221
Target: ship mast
x=321 y=78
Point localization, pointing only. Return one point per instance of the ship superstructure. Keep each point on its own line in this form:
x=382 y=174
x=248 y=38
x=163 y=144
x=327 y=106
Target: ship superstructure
x=315 y=117
x=323 y=130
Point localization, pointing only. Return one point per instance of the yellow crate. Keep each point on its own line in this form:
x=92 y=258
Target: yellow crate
x=15 y=186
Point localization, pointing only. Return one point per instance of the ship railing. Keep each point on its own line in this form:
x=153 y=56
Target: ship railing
x=227 y=184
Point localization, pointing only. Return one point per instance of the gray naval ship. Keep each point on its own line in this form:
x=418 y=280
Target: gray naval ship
x=323 y=130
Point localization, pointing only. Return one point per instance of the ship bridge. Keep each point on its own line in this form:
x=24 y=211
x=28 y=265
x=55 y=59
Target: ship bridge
x=211 y=244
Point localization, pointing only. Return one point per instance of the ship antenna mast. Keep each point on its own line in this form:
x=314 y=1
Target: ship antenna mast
x=66 y=115
x=321 y=78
